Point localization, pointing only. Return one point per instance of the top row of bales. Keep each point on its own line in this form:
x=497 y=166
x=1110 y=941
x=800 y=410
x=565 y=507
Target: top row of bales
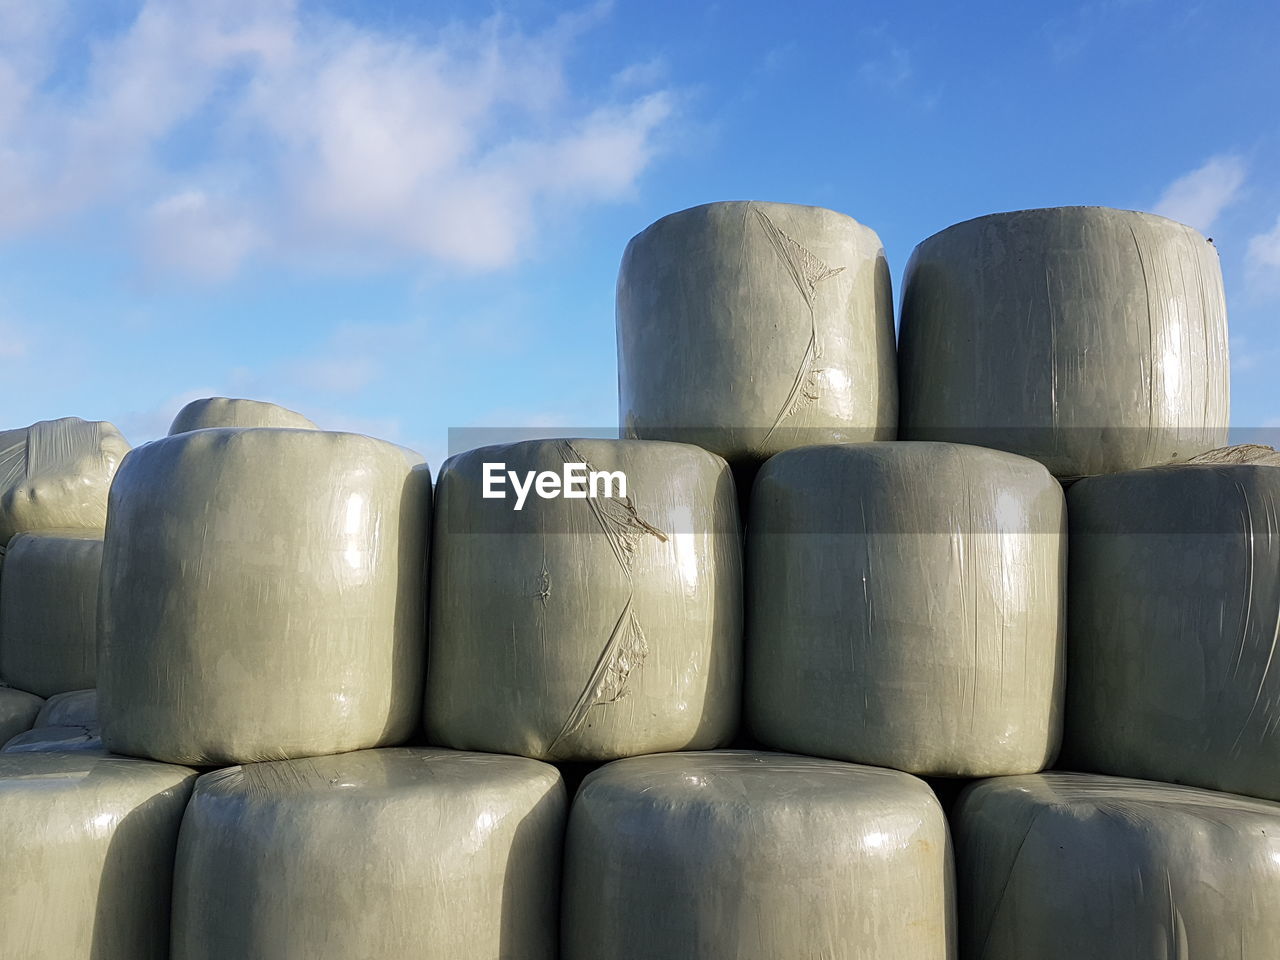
x=1092 y=340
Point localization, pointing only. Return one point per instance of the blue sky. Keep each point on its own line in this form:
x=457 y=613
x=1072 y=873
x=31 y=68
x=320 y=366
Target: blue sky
x=400 y=217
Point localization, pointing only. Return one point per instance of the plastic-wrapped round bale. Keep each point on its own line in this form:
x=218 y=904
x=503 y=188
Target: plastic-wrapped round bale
x=749 y=328
x=1065 y=866
x=585 y=628
x=88 y=847
x=431 y=854
x=262 y=596
x=1174 y=604
x=214 y=412
x=1091 y=339
x=756 y=856
x=18 y=711
x=59 y=739
x=75 y=708
x=55 y=475
x=48 y=611
x=906 y=607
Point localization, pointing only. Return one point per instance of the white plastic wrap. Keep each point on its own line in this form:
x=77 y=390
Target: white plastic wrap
x=586 y=629
x=399 y=853
x=1241 y=453
x=88 y=845
x=756 y=856
x=48 y=611
x=906 y=607
x=18 y=711
x=75 y=708
x=1072 y=867
x=55 y=475
x=228 y=412
x=1091 y=339
x=262 y=596
x=59 y=739
x=1175 y=625
x=749 y=328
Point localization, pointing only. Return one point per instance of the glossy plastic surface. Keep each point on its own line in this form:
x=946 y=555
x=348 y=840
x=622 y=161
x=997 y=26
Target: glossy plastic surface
x=59 y=739
x=906 y=607
x=49 y=610
x=262 y=596
x=1092 y=339
x=429 y=854
x=75 y=708
x=586 y=629
x=749 y=328
x=1067 y=866
x=755 y=856
x=18 y=711
x=228 y=412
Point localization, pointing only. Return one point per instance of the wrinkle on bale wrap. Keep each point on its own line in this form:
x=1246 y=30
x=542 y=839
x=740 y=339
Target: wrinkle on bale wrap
x=213 y=412
x=749 y=328
x=57 y=739
x=1175 y=626
x=74 y=708
x=55 y=475
x=262 y=596
x=1091 y=339
x=432 y=854
x=732 y=855
x=1065 y=866
x=89 y=842
x=586 y=629
x=18 y=711
x=906 y=607
x=49 y=610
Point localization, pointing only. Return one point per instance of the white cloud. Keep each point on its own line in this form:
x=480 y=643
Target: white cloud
x=1199 y=197
x=250 y=127
x=1264 y=248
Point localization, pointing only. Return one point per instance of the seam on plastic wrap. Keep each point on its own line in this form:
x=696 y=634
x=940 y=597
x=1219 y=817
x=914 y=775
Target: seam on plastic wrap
x=626 y=647
x=806 y=271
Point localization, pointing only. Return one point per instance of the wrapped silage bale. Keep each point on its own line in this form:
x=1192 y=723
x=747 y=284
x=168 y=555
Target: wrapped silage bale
x=1174 y=604
x=585 y=628
x=74 y=708
x=749 y=328
x=18 y=711
x=1065 y=866
x=262 y=596
x=88 y=844
x=214 y=412
x=1091 y=339
x=48 y=611
x=55 y=475
x=57 y=739
x=906 y=608
x=431 y=854
x=734 y=855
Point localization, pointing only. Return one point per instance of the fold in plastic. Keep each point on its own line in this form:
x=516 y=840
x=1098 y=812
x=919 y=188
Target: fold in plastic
x=1091 y=339
x=212 y=412
x=1066 y=866
x=749 y=328
x=18 y=711
x=379 y=853
x=756 y=856
x=75 y=708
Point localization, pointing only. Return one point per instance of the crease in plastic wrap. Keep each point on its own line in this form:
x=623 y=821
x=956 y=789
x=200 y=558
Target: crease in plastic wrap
x=262 y=596
x=593 y=628
x=48 y=611
x=1092 y=339
x=1175 y=626
x=1063 y=866
x=380 y=853
x=88 y=845
x=906 y=607
x=55 y=474
x=18 y=711
x=56 y=739
x=733 y=855
x=215 y=412
x=73 y=708
x=749 y=327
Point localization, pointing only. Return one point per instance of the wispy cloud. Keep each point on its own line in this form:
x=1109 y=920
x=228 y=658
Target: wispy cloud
x=244 y=127
x=1263 y=262
x=1199 y=197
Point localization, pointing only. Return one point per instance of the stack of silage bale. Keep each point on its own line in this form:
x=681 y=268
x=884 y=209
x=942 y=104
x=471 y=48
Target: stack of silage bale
x=754 y=697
